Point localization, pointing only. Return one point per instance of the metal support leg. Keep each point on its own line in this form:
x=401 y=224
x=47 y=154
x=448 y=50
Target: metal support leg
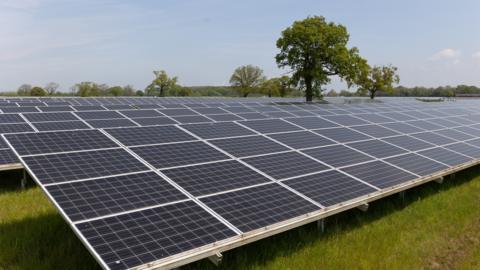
x=216 y=259
x=452 y=176
x=363 y=207
x=439 y=180
x=401 y=195
x=23 y=182
x=321 y=225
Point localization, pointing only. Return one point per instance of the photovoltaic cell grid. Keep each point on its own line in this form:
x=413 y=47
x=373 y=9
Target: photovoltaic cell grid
x=205 y=172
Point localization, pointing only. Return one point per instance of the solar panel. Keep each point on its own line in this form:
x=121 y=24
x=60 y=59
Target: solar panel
x=14 y=128
x=454 y=134
x=408 y=143
x=170 y=155
x=257 y=207
x=469 y=130
x=56 y=109
x=330 y=187
x=444 y=122
x=424 y=125
x=208 y=111
x=337 y=155
x=105 y=196
x=445 y=156
x=375 y=131
x=377 y=148
x=416 y=164
x=149 y=135
x=269 y=126
x=132 y=239
x=342 y=135
x=191 y=119
x=379 y=174
x=224 y=117
x=7 y=156
x=54 y=116
x=154 y=121
x=238 y=109
x=94 y=115
x=374 y=118
x=433 y=138
x=140 y=113
x=11 y=118
x=465 y=149
x=278 y=114
x=19 y=109
x=345 y=120
x=61 y=125
x=214 y=177
x=57 y=168
x=248 y=146
x=311 y=122
x=63 y=141
x=301 y=139
x=217 y=130
x=398 y=116
x=177 y=112
x=402 y=127
x=252 y=116
x=285 y=165
x=88 y=108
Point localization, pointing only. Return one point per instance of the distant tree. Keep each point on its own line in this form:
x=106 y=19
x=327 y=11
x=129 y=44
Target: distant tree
x=285 y=86
x=38 y=91
x=51 y=88
x=115 y=91
x=87 y=89
x=315 y=50
x=183 y=91
x=128 y=90
x=139 y=93
x=271 y=87
x=161 y=84
x=24 y=90
x=378 y=78
x=332 y=93
x=247 y=79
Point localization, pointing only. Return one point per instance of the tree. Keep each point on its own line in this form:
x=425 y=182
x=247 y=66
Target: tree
x=24 y=90
x=140 y=93
x=115 y=91
x=38 y=91
x=161 y=84
x=271 y=87
x=246 y=79
x=314 y=50
x=378 y=78
x=285 y=86
x=128 y=90
x=86 y=89
x=51 y=88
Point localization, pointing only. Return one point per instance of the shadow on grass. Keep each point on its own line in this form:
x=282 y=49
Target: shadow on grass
x=287 y=243
x=11 y=180
x=43 y=242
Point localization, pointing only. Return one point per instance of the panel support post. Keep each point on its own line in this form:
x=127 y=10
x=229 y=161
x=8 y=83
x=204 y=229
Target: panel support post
x=401 y=195
x=321 y=225
x=216 y=259
x=452 y=176
x=439 y=180
x=363 y=207
x=23 y=181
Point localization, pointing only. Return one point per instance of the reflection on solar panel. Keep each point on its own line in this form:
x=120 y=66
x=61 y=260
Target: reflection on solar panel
x=170 y=155
x=330 y=187
x=285 y=165
x=257 y=207
x=214 y=177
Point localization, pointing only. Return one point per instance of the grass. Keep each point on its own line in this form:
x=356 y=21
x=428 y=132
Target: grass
x=435 y=227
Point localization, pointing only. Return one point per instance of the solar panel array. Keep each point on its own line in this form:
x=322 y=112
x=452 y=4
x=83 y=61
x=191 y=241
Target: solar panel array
x=157 y=181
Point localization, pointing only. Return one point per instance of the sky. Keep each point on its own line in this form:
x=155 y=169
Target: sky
x=432 y=43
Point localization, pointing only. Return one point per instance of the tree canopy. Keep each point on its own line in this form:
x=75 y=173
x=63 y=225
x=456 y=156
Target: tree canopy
x=378 y=78
x=51 y=88
x=161 y=84
x=247 y=79
x=314 y=50
x=38 y=91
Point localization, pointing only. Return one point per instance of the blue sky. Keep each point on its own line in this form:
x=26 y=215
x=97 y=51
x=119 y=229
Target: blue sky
x=120 y=42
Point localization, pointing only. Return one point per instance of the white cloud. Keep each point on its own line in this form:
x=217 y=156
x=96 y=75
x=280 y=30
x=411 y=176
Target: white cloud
x=447 y=54
x=476 y=56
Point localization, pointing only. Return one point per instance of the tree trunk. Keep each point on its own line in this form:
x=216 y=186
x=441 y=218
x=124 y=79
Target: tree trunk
x=245 y=95
x=309 y=89
x=372 y=94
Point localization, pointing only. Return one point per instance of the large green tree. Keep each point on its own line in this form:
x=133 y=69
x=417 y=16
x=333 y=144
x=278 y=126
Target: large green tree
x=378 y=78
x=38 y=91
x=161 y=84
x=87 y=89
x=247 y=79
x=315 y=50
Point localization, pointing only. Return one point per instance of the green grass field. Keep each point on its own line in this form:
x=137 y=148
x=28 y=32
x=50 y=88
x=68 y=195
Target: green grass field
x=435 y=227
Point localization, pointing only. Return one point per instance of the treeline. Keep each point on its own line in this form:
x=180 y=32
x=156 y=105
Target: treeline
x=417 y=91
